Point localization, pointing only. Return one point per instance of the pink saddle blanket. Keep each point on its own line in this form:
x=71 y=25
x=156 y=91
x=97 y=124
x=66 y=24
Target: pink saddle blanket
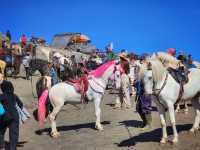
x=80 y=84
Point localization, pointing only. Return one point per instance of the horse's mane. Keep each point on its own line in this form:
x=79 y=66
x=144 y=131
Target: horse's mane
x=142 y=71
x=101 y=69
x=165 y=58
x=158 y=69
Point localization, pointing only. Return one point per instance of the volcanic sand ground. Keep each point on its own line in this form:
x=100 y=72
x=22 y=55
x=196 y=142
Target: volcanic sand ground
x=76 y=125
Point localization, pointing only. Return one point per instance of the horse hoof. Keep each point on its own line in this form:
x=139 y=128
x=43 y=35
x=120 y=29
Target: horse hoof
x=177 y=110
x=100 y=128
x=186 y=112
x=163 y=141
x=192 y=130
x=55 y=135
x=175 y=140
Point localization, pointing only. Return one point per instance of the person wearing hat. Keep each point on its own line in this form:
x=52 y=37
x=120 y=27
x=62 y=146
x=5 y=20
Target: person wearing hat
x=123 y=99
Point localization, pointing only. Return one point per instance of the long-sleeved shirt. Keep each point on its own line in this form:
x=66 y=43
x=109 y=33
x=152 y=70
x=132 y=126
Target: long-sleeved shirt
x=9 y=102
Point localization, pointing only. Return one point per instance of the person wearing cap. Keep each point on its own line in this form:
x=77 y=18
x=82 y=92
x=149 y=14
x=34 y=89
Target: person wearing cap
x=123 y=99
x=171 y=51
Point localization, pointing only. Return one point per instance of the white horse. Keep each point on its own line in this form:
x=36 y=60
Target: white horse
x=64 y=92
x=159 y=82
x=168 y=61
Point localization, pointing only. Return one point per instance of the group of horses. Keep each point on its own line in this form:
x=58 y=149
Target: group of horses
x=158 y=83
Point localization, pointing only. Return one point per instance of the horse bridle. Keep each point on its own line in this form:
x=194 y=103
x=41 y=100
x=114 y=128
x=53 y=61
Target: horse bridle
x=156 y=92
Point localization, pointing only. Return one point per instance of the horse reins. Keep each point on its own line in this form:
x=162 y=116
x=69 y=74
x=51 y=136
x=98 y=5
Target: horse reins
x=156 y=94
x=162 y=87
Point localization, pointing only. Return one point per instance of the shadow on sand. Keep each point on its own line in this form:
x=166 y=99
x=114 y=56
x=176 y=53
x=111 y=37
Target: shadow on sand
x=131 y=123
x=151 y=136
x=71 y=127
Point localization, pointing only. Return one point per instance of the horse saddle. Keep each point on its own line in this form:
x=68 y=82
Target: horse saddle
x=180 y=75
x=80 y=84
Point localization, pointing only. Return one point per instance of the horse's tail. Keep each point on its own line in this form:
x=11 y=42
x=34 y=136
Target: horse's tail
x=42 y=103
x=41 y=85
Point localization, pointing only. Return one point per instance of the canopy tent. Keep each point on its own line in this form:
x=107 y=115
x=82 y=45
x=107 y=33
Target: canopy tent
x=73 y=42
x=62 y=40
x=79 y=39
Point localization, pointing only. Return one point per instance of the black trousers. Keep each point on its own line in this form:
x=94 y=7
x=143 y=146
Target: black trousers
x=13 y=135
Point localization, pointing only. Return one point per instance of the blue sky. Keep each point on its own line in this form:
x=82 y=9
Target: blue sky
x=136 y=25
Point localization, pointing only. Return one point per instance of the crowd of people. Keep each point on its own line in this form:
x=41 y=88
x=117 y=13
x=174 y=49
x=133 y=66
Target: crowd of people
x=60 y=70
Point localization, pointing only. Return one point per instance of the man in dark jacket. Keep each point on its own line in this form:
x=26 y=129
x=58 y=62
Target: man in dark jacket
x=9 y=101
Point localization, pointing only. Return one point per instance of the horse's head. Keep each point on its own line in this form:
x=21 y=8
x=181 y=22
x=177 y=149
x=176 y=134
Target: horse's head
x=147 y=78
x=152 y=74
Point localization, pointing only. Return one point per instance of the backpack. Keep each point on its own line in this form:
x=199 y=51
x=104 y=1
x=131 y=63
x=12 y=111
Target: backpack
x=2 y=110
x=5 y=117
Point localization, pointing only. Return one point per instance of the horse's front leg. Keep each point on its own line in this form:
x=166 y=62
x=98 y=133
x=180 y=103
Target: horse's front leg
x=196 y=105
x=97 y=103
x=164 y=127
x=52 y=117
x=161 y=111
x=173 y=122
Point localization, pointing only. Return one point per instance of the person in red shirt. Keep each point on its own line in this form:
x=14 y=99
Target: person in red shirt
x=23 y=40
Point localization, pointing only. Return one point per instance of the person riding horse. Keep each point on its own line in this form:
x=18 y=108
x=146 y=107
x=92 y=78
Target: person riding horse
x=178 y=71
x=183 y=67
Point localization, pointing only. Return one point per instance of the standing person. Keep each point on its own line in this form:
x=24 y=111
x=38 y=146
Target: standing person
x=143 y=102
x=74 y=66
x=53 y=74
x=9 y=100
x=123 y=99
x=23 y=40
x=133 y=71
x=109 y=51
x=190 y=62
x=26 y=62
